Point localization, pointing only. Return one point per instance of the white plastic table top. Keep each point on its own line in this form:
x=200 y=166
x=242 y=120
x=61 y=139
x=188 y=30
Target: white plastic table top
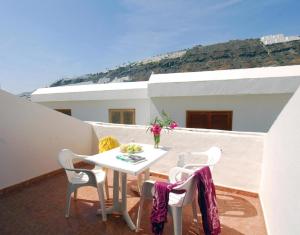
x=108 y=159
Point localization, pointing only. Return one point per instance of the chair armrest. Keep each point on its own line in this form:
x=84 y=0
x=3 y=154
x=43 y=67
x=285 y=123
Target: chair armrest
x=90 y=173
x=148 y=190
x=177 y=170
x=191 y=166
x=79 y=157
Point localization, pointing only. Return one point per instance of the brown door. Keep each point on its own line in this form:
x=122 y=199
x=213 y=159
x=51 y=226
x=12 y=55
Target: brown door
x=221 y=120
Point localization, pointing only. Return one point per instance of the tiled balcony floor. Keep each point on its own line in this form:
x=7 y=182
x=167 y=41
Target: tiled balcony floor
x=39 y=209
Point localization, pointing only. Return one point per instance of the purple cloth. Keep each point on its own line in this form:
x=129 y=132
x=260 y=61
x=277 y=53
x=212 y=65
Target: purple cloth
x=160 y=206
x=206 y=199
x=207 y=202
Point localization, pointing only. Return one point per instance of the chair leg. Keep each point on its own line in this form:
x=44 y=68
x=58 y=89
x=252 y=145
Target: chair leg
x=106 y=183
x=75 y=194
x=69 y=193
x=194 y=208
x=139 y=215
x=177 y=219
x=106 y=188
x=102 y=202
x=195 y=215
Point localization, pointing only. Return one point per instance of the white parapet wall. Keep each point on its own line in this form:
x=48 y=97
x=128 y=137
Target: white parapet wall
x=240 y=166
x=31 y=136
x=279 y=191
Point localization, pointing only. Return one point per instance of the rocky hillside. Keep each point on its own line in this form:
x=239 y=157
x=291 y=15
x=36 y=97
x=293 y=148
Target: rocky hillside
x=229 y=55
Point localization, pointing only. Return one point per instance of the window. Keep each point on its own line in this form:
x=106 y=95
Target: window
x=122 y=116
x=221 y=120
x=65 y=111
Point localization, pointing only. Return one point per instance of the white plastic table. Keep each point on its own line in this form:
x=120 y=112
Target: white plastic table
x=108 y=160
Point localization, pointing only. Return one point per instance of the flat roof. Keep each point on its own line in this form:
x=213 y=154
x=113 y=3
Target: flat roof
x=261 y=72
x=107 y=91
x=92 y=87
x=264 y=80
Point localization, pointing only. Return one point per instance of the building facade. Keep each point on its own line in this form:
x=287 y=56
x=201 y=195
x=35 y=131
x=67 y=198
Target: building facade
x=238 y=100
x=277 y=38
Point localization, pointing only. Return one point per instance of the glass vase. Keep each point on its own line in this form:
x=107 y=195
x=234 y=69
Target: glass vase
x=156 y=141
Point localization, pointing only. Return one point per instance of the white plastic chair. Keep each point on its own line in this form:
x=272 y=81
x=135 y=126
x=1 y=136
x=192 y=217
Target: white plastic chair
x=176 y=201
x=213 y=157
x=81 y=177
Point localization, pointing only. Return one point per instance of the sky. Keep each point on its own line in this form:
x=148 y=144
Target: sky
x=43 y=41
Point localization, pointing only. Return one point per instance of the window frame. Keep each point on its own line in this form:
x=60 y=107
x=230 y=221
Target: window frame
x=121 y=115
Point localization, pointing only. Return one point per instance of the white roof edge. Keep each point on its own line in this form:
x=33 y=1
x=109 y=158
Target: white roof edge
x=264 y=80
x=230 y=74
x=108 y=91
x=92 y=88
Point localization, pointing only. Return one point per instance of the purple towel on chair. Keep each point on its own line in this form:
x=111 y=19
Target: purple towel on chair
x=206 y=199
x=160 y=206
x=207 y=202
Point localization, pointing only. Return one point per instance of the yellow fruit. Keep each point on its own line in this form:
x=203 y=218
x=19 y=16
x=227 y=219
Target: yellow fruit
x=137 y=148
x=123 y=148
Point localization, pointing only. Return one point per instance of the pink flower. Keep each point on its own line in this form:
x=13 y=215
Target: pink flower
x=156 y=129
x=173 y=125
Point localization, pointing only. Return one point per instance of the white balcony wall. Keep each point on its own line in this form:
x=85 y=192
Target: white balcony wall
x=31 y=137
x=98 y=110
x=240 y=166
x=254 y=113
x=280 y=189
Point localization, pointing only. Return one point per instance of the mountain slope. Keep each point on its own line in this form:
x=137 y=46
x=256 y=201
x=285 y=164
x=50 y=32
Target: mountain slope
x=234 y=54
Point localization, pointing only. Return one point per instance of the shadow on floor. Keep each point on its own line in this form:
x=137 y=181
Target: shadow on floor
x=235 y=206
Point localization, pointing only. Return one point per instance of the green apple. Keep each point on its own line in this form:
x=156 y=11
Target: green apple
x=123 y=148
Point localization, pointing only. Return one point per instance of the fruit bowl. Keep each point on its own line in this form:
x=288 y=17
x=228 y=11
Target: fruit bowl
x=131 y=148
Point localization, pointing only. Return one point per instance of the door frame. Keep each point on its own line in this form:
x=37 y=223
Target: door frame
x=210 y=111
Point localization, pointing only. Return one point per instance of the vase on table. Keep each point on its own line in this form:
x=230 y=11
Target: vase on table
x=156 y=140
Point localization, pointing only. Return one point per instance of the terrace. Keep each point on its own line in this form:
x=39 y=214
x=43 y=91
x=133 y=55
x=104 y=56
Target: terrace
x=39 y=209
x=251 y=176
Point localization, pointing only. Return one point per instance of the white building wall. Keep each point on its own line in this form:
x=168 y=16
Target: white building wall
x=254 y=113
x=250 y=112
x=279 y=190
x=98 y=111
x=278 y=38
x=31 y=137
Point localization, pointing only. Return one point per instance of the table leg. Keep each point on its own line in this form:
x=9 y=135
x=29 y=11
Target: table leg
x=147 y=174
x=116 y=189
x=139 y=183
x=124 y=202
x=116 y=207
x=140 y=180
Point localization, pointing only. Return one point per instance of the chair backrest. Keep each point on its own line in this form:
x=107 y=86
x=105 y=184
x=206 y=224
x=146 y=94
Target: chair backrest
x=189 y=186
x=214 y=154
x=65 y=159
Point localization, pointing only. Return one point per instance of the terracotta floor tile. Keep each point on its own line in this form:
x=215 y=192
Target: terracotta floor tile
x=39 y=209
